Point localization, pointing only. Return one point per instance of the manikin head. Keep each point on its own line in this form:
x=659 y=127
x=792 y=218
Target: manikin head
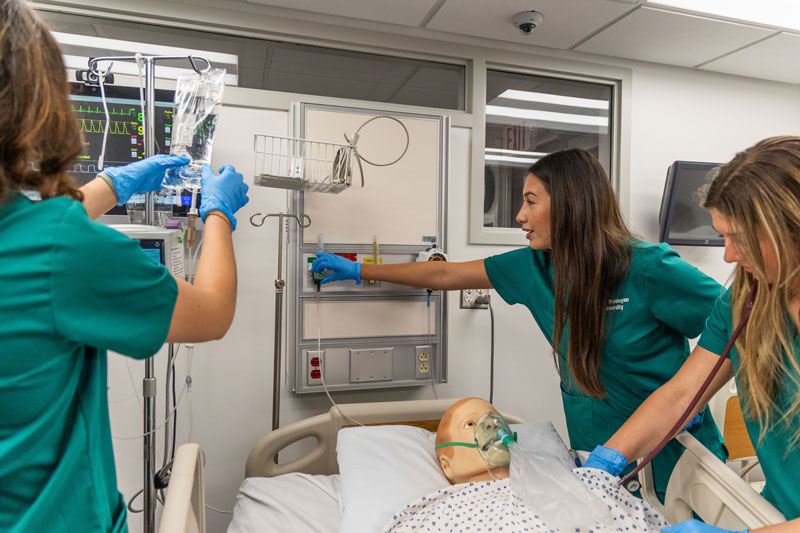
x=461 y=464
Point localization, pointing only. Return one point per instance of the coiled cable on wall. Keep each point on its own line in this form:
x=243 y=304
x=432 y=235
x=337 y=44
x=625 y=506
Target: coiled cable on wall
x=352 y=141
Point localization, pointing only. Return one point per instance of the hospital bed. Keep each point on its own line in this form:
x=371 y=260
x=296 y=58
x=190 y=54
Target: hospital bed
x=700 y=483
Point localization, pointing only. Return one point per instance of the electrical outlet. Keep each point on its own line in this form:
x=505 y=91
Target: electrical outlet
x=423 y=362
x=314 y=368
x=469 y=297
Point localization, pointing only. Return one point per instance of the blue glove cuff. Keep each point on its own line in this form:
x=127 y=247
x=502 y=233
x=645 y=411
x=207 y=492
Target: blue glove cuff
x=607 y=459
x=358 y=273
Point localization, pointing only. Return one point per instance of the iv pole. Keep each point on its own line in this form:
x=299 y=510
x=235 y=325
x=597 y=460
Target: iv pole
x=303 y=221
x=149 y=381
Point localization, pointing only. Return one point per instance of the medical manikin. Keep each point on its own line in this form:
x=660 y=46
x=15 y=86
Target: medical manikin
x=463 y=459
x=474 y=443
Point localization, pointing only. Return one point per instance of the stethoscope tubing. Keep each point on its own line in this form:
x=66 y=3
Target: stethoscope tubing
x=714 y=371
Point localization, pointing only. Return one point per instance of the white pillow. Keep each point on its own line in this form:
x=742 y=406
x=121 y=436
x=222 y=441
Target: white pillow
x=383 y=468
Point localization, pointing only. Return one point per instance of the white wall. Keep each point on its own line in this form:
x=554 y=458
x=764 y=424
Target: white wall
x=676 y=114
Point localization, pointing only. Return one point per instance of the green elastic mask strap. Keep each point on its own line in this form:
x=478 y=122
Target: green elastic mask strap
x=465 y=444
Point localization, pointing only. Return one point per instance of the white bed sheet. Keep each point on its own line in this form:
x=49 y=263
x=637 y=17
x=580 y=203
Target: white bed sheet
x=299 y=503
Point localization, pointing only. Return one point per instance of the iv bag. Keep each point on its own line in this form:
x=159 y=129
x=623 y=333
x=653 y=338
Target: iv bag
x=198 y=98
x=544 y=481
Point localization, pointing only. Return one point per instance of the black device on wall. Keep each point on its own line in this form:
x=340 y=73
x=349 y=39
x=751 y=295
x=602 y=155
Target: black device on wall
x=125 y=143
x=682 y=220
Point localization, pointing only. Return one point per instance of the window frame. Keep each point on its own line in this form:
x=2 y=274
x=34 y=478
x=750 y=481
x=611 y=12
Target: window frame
x=619 y=79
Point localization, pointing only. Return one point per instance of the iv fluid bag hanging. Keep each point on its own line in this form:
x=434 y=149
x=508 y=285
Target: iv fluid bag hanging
x=198 y=98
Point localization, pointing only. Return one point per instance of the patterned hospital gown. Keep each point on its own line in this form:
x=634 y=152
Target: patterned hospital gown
x=491 y=506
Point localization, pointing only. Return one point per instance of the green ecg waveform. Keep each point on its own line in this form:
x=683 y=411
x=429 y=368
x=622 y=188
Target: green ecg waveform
x=99 y=110
x=114 y=127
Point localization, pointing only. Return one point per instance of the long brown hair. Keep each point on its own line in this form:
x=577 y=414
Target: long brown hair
x=591 y=256
x=39 y=135
x=759 y=192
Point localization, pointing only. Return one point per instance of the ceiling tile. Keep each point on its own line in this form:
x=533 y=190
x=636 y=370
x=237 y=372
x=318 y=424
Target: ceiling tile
x=565 y=22
x=659 y=36
x=772 y=59
x=411 y=14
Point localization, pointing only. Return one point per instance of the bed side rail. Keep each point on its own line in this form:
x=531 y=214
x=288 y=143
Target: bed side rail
x=704 y=484
x=185 y=507
x=261 y=462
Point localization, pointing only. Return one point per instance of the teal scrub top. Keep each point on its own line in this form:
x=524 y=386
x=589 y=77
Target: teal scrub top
x=662 y=301
x=780 y=462
x=70 y=289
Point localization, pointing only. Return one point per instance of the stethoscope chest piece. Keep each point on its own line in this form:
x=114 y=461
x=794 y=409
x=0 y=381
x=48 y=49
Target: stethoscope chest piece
x=632 y=485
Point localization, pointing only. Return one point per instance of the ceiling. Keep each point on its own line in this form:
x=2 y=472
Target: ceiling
x=631 y=29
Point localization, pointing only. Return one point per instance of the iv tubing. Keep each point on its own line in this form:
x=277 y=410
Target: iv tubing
x=322 y=368
x=108 y=118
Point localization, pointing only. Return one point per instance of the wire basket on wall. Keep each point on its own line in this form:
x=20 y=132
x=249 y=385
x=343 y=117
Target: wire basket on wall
x=299 y=164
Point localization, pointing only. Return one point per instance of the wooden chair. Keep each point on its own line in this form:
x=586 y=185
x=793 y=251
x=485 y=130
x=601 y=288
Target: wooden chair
x=734 y=431
x=742 y=457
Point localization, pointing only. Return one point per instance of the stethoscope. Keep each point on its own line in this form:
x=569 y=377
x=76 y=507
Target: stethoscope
x=633 y=484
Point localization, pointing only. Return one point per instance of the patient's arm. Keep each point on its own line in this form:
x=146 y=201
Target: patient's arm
x=651 y=421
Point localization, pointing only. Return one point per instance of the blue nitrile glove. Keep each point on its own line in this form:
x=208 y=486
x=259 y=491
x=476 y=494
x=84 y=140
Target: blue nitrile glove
x=607 y=459
x=696 y=526
x=142 y=176
x=226 y=192
x=342 y=267
x=693 y=422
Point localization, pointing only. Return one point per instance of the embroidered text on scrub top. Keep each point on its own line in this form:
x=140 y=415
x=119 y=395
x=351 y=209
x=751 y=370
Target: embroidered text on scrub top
x=617 y=304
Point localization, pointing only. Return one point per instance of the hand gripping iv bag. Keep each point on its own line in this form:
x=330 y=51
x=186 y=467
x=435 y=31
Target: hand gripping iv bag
x=198 y=98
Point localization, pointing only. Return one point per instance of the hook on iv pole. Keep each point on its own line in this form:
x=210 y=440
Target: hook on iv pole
x=303 y=221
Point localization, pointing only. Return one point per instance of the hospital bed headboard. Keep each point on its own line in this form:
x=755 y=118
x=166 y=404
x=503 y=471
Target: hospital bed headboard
x=325 y=428
x=704 y=484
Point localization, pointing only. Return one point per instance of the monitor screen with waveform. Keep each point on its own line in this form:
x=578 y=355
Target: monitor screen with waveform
x=125 y=142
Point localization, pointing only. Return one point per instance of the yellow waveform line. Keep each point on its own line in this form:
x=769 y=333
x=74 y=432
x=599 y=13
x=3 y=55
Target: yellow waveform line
x=114 y=128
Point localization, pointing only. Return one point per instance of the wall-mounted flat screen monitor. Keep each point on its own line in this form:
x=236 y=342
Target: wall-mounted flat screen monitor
x=125 y=142
x=682 y=220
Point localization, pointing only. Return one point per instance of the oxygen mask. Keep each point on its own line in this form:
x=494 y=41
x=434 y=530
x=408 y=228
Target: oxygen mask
x=492 y=437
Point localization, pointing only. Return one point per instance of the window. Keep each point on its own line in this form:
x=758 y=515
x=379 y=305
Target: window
x=269 y=65
x=528 y=117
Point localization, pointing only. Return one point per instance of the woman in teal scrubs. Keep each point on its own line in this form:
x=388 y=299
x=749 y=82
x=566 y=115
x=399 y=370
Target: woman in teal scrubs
x=755 y=204
x=621 y=329
x=71 y=288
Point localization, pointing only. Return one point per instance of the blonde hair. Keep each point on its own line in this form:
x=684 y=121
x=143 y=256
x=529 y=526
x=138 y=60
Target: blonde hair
x=759 y=192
